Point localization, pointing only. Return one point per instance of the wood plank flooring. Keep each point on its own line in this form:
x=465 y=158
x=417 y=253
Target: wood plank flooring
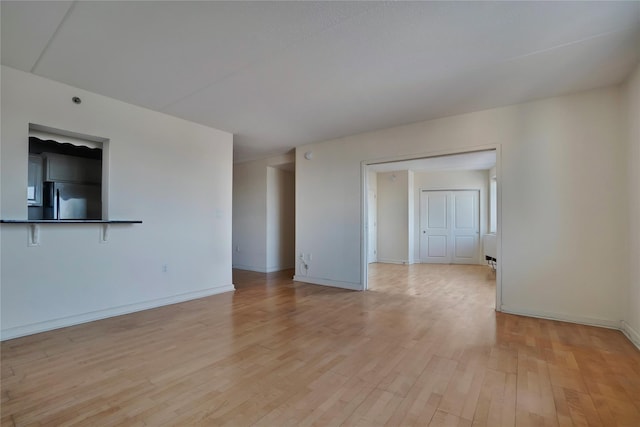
x=423 y=347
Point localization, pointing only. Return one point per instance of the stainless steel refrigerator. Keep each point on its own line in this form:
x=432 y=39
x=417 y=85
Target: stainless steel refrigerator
x=72 y=201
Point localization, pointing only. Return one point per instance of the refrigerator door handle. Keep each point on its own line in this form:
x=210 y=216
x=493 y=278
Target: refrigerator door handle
x=57 y=203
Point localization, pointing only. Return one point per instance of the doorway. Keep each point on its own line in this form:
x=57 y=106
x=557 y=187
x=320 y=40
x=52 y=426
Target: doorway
x=264 y=215
x=465 y=218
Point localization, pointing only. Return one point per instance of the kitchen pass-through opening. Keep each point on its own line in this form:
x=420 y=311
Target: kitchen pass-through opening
x=65 y=175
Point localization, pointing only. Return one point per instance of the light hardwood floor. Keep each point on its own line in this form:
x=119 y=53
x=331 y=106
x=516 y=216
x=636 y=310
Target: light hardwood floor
x=422 y=347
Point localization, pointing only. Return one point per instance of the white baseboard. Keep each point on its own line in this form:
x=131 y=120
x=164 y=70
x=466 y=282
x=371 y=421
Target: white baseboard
x=632 y=334
x=418 y=261
x=261 y=269
x=611 y=324
x=279 y=268
x=34 y=328
x=249 y=268
x=392 y=261
x=328 y=282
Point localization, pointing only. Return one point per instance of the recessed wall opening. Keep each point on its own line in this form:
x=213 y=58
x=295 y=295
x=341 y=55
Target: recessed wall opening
x=66 y=175
x=281 y=217
x=264 y=215
x=431 y=226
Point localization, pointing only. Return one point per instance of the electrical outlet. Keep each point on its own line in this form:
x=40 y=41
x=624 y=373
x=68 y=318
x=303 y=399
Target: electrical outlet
x=302 y=261
x=309 y=257
x=237 y=248
x=165 y=268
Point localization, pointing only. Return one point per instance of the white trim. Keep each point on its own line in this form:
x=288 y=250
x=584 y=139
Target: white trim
x=249 y=268
x=581 y=320
x=279 y=268
x=64 y=322
x=56 y=132
x=364 y=226
x=630 y=333
x=499 y=227
x=433 y=153
x=261 y=269
x=393 y=261
x=328 y=282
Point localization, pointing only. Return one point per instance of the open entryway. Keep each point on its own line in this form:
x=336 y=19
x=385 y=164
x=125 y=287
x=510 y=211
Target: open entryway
x=426 y=223
x=264 y=215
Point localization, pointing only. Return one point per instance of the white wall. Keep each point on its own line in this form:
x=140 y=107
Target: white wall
x=632 y=321
x=250 y=220
x=172 y=174
x=393 y=217
x=451 y=180
x=250 y=216
x=411 y=217
x=280 y=219
x=563 y=200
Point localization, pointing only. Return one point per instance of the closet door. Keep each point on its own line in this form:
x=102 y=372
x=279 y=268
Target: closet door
x=449 y=227
x=465 y=227
x=435 y=227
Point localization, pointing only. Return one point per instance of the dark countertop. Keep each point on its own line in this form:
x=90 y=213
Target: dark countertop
x=69 y=221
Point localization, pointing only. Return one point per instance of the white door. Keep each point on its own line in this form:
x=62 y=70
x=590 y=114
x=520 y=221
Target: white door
x=465 y=227
x=435 y=227
x=373 y=227
x=449 y=227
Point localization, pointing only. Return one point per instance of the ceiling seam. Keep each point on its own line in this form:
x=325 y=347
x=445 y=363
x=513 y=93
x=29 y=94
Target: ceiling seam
x=488 y=64
x=46 y=47
x=560 y=46
x=279 y=51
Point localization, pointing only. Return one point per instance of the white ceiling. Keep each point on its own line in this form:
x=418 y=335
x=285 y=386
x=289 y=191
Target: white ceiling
x=282 y=74
x=479 y=160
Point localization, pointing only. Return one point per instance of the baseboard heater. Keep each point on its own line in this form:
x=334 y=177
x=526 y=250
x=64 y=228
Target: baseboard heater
x=490 y=252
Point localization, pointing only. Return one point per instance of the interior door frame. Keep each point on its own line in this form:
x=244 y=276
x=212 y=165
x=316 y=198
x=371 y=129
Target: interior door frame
x=478 y=254
x=364 y=195
x=375 y=255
